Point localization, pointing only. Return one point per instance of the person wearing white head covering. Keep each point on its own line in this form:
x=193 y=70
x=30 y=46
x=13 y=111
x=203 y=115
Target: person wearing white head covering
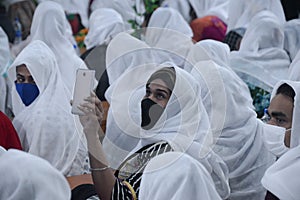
x=73 y=6
x=5 y=59
x=180 y=124
x=125 y=7
x=191 y=178
x=236 y=129
x=240 y=13
x=281 y=178
x=200 y=8
x=209 y=50
x=294 y=69
x=42 y=109
x=25 y=176
x=283 y=111
x=261 y=54
x=50 y=25
x=292 y=37
x=168 y=31
x=104 y=24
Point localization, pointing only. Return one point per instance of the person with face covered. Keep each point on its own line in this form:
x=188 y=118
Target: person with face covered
x=172 y=119
x=42 y=109
x=282 y=112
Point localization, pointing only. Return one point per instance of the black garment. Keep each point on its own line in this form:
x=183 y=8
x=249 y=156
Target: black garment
x=291 y=9
x=270 y=196
x=83 y=192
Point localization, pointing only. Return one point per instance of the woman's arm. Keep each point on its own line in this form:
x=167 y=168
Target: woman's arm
x=103 y=176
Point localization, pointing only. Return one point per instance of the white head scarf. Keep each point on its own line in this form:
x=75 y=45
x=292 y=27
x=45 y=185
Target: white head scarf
x=209 y=50
x=24 y=176
x=184 y=123
x=104 y=24
x=124 y=52
x=202 y=8
x=49 y=24
x=169 y=32
x=237 y=131
x=261 y=59
x=191 y=178
x=240 y=13
x=46 y=127
x=125 y=8
x=292 y=37
x=73 y=6
x=5 y=59
x=281 y=178
x=294 y=69
x=295 y=137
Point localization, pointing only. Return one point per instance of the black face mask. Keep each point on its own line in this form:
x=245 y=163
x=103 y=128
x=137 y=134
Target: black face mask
x=151 y=112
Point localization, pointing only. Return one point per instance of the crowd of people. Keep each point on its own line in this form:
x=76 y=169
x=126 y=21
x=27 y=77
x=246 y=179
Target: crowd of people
x=191 y=99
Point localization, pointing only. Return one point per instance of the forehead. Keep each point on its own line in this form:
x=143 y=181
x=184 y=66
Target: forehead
x=281 y=103
x=158 y=83
x=23 y=70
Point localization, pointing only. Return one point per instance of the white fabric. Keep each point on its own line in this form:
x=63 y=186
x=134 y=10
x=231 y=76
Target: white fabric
x=124 y=7
x=184 y=123
x=50 y=25
x=104 y=24
x=5 y=59
x=191 y=178
x=274 y=140
x=261 y=59
x=24 y=176
x=294 y=69
x=170 y=18
x=242 y=12
x=292 y=37
x=73 y=7
x=209 y=49
x=169 y=32
x=237 y=131
x=295 y=137
x=202 y=8
x=124 y=52
x=281 y=178
x=46 y=127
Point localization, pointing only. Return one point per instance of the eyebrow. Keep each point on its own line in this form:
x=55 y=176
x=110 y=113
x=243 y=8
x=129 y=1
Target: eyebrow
x=277 y=114
x=20 y=75
x=161 y=90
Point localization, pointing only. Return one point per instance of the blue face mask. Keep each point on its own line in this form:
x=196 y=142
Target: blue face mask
x=28 y=92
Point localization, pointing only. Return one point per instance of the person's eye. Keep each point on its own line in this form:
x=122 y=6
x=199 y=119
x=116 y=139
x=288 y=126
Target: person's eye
x=20 y=80
x=160 y=96
x=280 y=121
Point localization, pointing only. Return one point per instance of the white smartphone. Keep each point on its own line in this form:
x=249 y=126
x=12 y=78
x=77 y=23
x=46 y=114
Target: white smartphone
x=83 y=87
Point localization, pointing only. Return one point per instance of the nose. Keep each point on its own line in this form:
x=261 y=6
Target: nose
x=151 y=96
x=272 y=122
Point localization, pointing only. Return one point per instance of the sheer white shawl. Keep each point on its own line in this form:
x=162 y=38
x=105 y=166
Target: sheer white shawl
x=237 y=131
x=50 y=25
x=24 y=176
x=261 y=59
x=240 y=13
x=281 y=178
x=104 y=24
x=46 y=127
x=294 y=69
x=292 y=37
x=191 y=178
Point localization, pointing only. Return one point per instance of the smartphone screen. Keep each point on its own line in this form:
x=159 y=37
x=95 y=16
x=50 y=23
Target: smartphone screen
x=83 y=88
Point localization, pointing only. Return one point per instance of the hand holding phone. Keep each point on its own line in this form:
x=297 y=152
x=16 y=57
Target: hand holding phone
x=83 y=88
